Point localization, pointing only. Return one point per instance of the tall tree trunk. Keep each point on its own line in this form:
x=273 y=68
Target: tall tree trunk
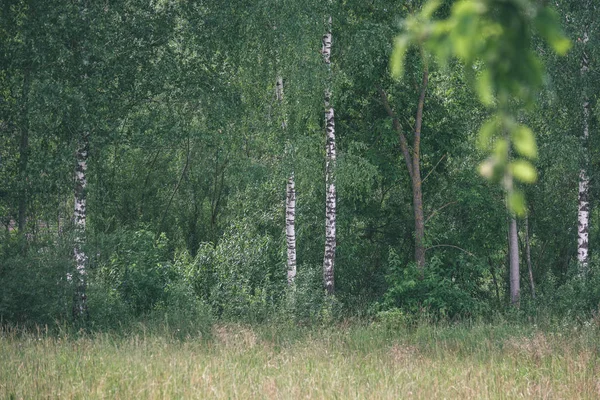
x=24 y=151
x=413 y=165
x=513 y=247
x=528 y=257
x=82 y=153
x=79 y=305
x=416 y=178
x=290 y=203
x=290 y=197
x=290 y=229
x=330 y=201
x=583 y=209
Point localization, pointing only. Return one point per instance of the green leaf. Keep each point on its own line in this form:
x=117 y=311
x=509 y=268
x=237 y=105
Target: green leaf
x=397 y=59
x=523 y=171
x=501 y=150
x=524 y=141
x=430 y=7
x=484 y=88
x=465 y=7
x=516 y=203
x=487 y=132
x=547 y=23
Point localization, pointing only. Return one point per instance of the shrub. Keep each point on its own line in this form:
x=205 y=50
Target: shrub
x=444 y=290
x=242 y=277
x=136 y=265
x=181 y=313
x=35 y=290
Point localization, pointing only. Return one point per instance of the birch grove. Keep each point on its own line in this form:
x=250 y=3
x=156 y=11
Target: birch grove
x=166 y=132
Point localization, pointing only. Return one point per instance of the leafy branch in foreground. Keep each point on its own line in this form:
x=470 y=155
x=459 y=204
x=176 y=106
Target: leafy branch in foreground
x=492 y=39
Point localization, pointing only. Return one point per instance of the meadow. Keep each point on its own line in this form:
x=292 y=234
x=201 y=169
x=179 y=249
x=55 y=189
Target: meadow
x=349 y=360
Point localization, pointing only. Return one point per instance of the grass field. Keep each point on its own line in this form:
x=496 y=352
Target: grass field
x=348 y=361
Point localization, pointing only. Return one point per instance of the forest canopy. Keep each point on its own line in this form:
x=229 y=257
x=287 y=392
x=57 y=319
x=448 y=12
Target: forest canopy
x=246 y=160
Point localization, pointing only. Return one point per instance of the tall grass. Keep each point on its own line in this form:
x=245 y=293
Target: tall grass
x=346 y=361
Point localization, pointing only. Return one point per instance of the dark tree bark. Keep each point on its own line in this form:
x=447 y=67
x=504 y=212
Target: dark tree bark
x=413 y=165
x=416 y=179
x=24 y=152
x=513 y=248
x=528 y=257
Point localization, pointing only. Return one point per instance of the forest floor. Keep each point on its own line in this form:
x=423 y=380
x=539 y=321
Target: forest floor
x=348 y=361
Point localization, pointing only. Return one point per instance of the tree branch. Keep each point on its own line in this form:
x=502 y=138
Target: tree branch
x=398 y=128
x=433 y=169
x=439 y=209
x=454 y=247
x=185 y=167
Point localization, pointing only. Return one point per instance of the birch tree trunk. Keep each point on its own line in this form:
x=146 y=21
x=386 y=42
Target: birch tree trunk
x=513 y=247
x=79 y=305
x=290 y=229
x=330 y=201
x=583 y=208
x=80 y=211
x=290 y=204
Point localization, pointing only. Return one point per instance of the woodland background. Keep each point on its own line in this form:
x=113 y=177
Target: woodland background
x=173 y=107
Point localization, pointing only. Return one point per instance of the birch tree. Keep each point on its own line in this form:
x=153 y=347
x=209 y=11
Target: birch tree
x=80 y=215
x=583 y=204
x=80 y=206
x=290 y=202
x=330 y=199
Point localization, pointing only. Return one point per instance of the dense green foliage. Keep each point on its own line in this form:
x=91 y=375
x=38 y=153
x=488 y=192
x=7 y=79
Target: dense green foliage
x=188 y=161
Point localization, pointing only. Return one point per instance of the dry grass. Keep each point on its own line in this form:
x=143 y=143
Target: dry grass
x=349 y=362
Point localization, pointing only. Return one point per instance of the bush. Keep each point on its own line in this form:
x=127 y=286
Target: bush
x=136 y=265
x=35 y=290
x=106 y=308
x=306 y=302
x=443 y=290
x=182 y=314
x=393 y=319
x=242 y=277
x=575 y=295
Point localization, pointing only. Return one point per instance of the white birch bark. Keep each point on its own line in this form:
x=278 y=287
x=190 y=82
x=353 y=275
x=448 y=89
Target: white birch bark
x=290 y=204
x=79 y=306
x=80 y=211
x=330 y=201
x=513 y=247
x=583 y=206
x=290 y=229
